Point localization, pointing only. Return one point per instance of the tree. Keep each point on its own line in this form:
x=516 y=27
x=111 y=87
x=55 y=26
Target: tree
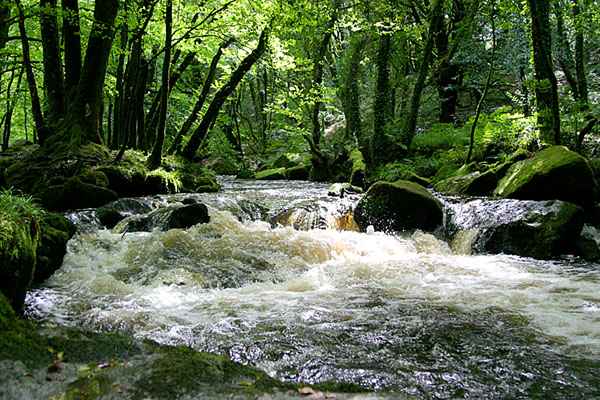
x=546 y=87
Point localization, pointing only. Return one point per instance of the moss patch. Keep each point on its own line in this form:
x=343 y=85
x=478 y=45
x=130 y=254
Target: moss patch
x=271 y=174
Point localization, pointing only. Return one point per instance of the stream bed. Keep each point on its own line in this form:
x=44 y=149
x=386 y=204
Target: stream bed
x=270 y=281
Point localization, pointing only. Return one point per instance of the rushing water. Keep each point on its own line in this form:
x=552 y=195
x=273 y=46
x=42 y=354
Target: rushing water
x=404 y=314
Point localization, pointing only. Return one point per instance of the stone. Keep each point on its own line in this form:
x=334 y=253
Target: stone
x=112 y=213
x=245 y=174
x=473 y=184
x=398 y=206
x=56 y=231
x=271 y=174
x=553 y=173
x=340 y=189
x=18 y=242
x=358 y=176
x=299 y=173
x=187 y=216
x=75 y=194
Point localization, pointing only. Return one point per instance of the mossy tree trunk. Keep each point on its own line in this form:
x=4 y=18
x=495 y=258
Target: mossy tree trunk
x=72 y=43
x=380 y=144
x=350 y=92
x=5 y=11
x=546 y=88
x=53 y=72
x=410 y=125
x=221 y=96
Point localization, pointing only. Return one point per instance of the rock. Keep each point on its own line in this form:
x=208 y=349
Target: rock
x=339 y=189
x=75 y=194
x=56 y=231
x=413 y=177
x=18 y=242
x=299 y=173
x=271 y=174
x=473 y=184
x=112 y=213
x=124 y=182
x=289 y=160
x=187 y=216
x=8 y=319
x=538 y=229
x=587 y=249
x=537 y=235
x=198 y=183
x=554 y=173
x=245 y=174
x=398 y=206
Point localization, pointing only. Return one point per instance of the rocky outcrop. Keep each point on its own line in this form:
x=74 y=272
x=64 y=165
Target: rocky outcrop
x=398 y=206
x=75 y=194
x=553 y=173
x=538 y=229
x=112 y=213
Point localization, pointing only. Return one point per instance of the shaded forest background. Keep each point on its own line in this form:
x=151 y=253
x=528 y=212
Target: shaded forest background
x=414 y=85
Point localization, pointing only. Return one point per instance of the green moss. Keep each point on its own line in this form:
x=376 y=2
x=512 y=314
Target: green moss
x=8 y=319
x=94 y=177
x=554 y=173
x=359 y=167
x=92 y=387
x=271 y=174
x=181 y=370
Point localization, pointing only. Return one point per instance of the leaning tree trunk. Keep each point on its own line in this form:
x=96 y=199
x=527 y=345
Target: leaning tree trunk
x=546 y=88
x=155 y=158
x=221 y=96
x=410 y=126
x=83 y=121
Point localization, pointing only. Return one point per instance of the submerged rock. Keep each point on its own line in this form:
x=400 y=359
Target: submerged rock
x=554 y=173
x=398 y=206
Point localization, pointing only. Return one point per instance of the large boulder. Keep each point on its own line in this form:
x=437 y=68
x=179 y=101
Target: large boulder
x=299 y=173
x=398 y=206
x=554 y=173
x=474 y=184
x=538 y=229
x=75 y=194
x=166 y=218
x=18 y=242
x=56 y=231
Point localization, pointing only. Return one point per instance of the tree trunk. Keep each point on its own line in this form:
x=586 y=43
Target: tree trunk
x=155 y=158
x=213 y=109
x=193 y=117
x=546 y=90
x=350 y=92
x=53 y=73
x=36 y=109
x=410 y=126
x=4 y=23
x=72 y=43
x=84 y=113
x=118 y=111
x=380 y=144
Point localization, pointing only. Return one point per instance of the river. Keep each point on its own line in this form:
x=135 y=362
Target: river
x=403 y=315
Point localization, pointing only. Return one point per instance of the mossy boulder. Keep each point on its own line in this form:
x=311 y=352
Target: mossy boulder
x=8 y=319
x=187 y=216
x=271 y=174
x=289 y=160
x=299 y=173
x=245 y=174
x=56 y=231
x=398 y=206
x=413 y=177
x=538 y=235
x=126 y=182
x=75 y=194
x=18 y=243
x=474 y=184
x=553 y=173
x=198 y=183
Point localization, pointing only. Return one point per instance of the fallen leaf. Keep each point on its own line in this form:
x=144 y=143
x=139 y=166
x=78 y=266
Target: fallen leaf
x=56 y=377
x=331 y=396
x=316 y=395
x=54 y=369
x=29 y=374
x=244 y=384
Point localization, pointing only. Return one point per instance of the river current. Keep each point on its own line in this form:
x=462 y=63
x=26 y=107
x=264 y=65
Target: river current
x=405 y=315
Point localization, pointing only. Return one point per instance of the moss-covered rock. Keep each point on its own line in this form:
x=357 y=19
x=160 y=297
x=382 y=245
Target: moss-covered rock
x=187 y=216
x=8 y=319
x=554 y=173
x=56 y=231
x=289 y=160
x=398 y=206
x=299 y=173
x=75 y=194
x=340 y=189
x=18 y=243
x=271 y=174
x=245 y=174
x=411 y=176
x=473 y=184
